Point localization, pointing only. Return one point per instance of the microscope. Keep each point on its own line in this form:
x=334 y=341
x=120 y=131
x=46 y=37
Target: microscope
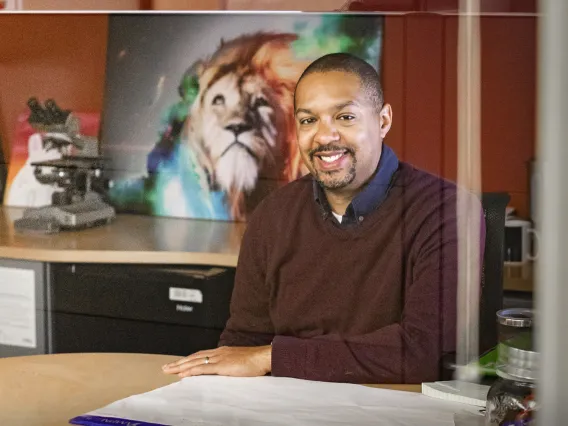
x=79 y=202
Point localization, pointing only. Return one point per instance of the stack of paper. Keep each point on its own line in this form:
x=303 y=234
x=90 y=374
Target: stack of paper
x=215 y=400
x=457 y=391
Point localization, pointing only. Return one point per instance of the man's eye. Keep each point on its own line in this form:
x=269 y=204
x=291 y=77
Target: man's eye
x=307 y=121
x=347 y=117
x=218 y=100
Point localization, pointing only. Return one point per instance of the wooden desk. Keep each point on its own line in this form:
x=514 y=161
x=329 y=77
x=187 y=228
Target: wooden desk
x=129 y=239
x=519 y=278
x=48 y=390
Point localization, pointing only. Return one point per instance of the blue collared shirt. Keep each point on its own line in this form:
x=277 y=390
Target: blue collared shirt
x=371 y=197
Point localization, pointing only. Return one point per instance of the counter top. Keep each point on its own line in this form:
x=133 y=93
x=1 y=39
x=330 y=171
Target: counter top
x=128 y=239
x=519 y=277
x=155 y=240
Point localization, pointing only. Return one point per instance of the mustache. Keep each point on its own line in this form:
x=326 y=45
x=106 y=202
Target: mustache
x=330 y=147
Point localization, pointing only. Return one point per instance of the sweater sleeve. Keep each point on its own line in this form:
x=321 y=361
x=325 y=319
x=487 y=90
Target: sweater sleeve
x=249 y=323
x=405 y=352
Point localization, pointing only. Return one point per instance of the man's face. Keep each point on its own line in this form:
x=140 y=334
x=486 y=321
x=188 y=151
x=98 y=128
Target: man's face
x=339 y=130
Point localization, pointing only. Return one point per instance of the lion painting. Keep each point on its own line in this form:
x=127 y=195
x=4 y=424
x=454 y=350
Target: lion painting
x=241 y=123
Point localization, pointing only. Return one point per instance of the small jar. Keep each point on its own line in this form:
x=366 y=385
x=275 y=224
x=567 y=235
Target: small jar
x=511 y=399
x=510 y=403
x=511 y=322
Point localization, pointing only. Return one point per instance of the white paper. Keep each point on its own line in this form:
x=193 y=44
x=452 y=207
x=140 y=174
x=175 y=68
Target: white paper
x=215 y=400
x=17 y=307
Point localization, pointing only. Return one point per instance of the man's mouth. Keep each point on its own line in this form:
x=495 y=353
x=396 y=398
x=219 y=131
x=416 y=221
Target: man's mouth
x=331 y=160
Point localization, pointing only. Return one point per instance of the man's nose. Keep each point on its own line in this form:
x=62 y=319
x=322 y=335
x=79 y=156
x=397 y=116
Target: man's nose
x=326 y=133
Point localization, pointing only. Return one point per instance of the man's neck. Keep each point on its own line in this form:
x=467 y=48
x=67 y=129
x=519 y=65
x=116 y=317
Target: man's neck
x=340 y=200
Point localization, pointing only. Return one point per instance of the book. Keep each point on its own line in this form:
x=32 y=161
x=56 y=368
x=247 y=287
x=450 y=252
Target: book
x=457 y=391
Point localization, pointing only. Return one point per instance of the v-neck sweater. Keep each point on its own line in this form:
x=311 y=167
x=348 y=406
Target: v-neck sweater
x=371 y=303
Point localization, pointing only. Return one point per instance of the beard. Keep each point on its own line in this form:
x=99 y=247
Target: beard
x=336 y=179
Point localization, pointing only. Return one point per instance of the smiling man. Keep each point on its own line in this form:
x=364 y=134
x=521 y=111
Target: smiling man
x=348 y=274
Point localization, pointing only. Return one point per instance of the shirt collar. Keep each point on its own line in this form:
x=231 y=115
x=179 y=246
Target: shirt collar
x=372 y=195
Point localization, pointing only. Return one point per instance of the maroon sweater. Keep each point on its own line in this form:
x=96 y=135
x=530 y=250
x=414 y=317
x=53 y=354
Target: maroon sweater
x=371 y=303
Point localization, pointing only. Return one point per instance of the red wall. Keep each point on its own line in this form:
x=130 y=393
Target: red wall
x=58 y=56
x=492 y=6
x=420 y=81
x=63 y=56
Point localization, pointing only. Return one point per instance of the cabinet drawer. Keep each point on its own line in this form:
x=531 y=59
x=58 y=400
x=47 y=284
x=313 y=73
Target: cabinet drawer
x=196 y=296
x=82 y=333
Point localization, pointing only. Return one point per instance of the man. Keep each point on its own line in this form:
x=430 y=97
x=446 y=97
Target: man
x=348 y=274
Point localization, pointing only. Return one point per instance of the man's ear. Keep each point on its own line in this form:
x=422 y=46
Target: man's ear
x=385 y=119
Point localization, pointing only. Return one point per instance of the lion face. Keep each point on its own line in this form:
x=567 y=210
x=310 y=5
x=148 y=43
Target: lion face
x=241 y=123
x=237 y=119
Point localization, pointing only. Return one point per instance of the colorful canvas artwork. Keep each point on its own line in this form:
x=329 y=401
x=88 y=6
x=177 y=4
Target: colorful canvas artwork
x=198 y=117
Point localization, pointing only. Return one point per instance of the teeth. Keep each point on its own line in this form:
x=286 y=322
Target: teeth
x=330 y=159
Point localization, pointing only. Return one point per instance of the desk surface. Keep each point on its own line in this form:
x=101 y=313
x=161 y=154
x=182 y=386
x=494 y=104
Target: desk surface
x=128 y=239
x=155 y=240
x=48 y=390
x=519 y=277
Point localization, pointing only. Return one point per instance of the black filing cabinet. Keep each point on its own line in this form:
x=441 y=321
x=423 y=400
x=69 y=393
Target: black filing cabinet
x=157 y=309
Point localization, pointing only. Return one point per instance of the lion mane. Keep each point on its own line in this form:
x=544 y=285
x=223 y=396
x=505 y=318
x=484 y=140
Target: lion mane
x=241 y=123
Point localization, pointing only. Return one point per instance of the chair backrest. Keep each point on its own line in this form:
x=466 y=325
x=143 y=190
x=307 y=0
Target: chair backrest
x=491 y=300
x=3 y=172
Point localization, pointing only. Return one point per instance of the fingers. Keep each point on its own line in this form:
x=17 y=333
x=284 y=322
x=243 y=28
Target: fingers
x=242 y=362
x=177 y=368
x=203 y=354
x=188 y=368
x=198 y=355
x=200 y=370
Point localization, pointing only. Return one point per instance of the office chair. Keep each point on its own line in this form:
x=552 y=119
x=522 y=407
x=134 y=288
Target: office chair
x=3 y=173
x=491 y=299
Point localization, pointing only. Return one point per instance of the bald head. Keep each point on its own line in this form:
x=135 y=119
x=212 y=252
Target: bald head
x=345 y=62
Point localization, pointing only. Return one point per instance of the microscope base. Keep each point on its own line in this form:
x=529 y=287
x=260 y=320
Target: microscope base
x=91 y=211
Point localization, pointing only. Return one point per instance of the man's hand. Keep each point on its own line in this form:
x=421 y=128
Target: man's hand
x=224 y=361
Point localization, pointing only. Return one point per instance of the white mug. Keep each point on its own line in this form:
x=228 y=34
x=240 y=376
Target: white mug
x=521 y=242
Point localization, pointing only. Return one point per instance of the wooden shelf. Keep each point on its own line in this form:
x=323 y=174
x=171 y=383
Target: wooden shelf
x=157 y=240
x=129 y=239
